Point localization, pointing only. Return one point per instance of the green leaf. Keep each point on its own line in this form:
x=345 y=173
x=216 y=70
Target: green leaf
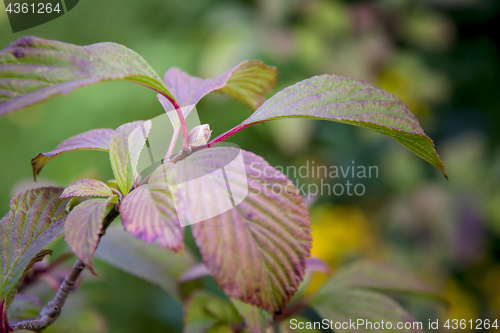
x=83 y=228
x=349 y=101
x=256 y=319
x=34 y=69
x=87 y=187
x=352 y=295
x=35 y=219
x=369 y=307
x=124 y=150
x=220 y=328
x=147 y=261
x=205 y=311
x=380 y=277
x=250 y=81
x=24 y=307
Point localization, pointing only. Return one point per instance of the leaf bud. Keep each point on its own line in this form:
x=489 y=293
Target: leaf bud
x=200 y=135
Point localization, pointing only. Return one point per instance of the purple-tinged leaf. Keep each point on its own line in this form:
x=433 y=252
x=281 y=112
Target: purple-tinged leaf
x=35 y=219
x=356 y=305
x=315 y=264
x=124 y=150
x=147 y=261
x=380 y=277
x=348 y=101
x=87 y=188
x=256 y=250
x=248 y=82
x=148 y=214
x=24 y=307
x=198 y=183
x=34 y=69
x=97 y=139
x=83 y=228
x=197 y=271
x=256 y=319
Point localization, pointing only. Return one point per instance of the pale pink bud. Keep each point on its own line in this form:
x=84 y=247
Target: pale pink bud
x=200 y=135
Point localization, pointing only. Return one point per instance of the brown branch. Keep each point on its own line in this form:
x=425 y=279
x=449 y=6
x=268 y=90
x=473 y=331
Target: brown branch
x=52 y=310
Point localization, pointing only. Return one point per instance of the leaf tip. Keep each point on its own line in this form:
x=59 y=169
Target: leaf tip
x=35 y=165
x=91 y=269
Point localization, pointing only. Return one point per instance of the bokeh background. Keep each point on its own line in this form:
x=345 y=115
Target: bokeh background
x=439 y=56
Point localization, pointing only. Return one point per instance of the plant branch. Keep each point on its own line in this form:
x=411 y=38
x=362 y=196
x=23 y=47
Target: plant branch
x=186 y=152
x=52 y=310
x=293 y=309
x=182 y=120
x=172 y=144
x=227 y=134
x=180 y=156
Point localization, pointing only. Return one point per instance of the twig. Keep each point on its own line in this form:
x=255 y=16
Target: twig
x=186 y=152
x=52 y=310
x=290 y=310
x=172 y=144
x=182 y=120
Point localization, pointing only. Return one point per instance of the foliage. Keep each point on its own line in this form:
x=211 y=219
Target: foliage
x=257 y=250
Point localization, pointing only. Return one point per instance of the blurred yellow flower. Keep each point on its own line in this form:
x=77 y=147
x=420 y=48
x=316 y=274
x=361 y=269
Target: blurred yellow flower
x=490 y=289
x=463 y=305
x=340 y=233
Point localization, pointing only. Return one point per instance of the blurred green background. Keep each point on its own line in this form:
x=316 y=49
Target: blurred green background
x=439 y=56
